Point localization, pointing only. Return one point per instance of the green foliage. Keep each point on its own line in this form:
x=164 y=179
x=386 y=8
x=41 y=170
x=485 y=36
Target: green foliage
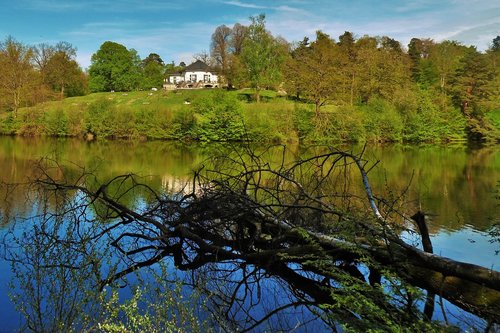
x=262 y=57
x=154 y=123
x=158 y=307
x=114 y=68
x=99 y=118
x=316 y=72
x=55 y=288
x=302 y=119
x=382 y=121
x=56 y=122
x=430 y=123
x=8 y=125
x=349 y=122
x=270 y=122
x=62 y=72
x=30 y=123
x=153 y=72
x=427 y=75
x=218 y=118
x=17 y=75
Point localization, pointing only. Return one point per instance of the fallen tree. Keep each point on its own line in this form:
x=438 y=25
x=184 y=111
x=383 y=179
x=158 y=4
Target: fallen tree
x=337 y=251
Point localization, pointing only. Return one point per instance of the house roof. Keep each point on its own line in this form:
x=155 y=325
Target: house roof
x=197 y=66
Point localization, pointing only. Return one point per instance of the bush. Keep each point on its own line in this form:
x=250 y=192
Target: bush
x=349 y=123
x=56 y=122
x=218 y=118
x=303 y=115
x=382 y=121
x=8 y=125
x=75 y=123
x=429 y=123
x=31 y=122
x=99 y=118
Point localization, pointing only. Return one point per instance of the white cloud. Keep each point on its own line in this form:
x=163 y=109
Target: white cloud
x=277 y=8
x=244 y=5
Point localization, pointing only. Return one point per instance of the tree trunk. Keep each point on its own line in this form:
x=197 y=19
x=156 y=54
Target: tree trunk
x=317 y=105
x=257 y=94
x=62 y=91
x=352 y=89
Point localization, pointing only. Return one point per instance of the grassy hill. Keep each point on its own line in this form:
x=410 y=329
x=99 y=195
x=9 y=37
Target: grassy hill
x=219 y=115
x=181 y=114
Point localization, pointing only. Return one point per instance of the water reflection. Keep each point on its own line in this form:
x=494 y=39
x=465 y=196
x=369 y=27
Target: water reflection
x=454 y=184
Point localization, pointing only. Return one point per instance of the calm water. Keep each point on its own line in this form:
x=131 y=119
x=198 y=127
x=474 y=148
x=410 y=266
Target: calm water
x=456 y=185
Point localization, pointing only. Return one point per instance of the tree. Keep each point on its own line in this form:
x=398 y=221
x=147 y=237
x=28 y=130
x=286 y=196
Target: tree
x=472 y=90
x=238 y=36
x=383 y=68
x=61 y=70
x=220 y=47
x=17 y=76
x=153 y=71
x=446 y=56
x=261 y=57
x=226 y=48
x=204 y=57
x=348 y=48
x=418 y=50
x=114 y=68
x=495 y=44
x=41 y=56
x=153 y=57
x=493 y=57
x=314 y=71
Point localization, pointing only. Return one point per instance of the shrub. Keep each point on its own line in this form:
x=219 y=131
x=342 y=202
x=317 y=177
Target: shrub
x=30 y=122
x=99 y=118
x=8 y=125
x=218 y=118
x=303 y=115
x=56 y=122
x=430 y=123
x=382 y=121
x=75 y=123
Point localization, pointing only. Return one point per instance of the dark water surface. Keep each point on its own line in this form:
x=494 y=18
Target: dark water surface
x=457 y=185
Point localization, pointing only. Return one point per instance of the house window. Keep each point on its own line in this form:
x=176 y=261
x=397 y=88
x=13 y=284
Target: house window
x=192 y=77
x=206 y=78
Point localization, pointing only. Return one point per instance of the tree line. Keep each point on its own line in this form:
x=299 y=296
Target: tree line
x=430 y=87
x=430 y=80
x=34 y=74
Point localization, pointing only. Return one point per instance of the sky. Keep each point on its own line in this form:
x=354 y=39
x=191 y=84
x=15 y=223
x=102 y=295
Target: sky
x=176 y=30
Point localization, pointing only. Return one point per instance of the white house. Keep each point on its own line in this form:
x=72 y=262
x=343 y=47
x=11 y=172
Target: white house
x=196 y=75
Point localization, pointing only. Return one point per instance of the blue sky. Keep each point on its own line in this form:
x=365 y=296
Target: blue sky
x=178 y=29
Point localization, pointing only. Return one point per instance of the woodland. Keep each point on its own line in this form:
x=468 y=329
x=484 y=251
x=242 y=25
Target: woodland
x=366 y=88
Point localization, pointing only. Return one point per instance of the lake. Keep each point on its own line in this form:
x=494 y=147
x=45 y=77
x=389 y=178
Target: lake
x=457 y=186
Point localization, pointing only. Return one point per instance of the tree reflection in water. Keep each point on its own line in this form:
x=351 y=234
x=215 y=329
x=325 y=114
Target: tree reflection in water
x=270 y=247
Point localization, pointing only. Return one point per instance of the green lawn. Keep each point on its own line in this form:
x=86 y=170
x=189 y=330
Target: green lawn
x=160 y=97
